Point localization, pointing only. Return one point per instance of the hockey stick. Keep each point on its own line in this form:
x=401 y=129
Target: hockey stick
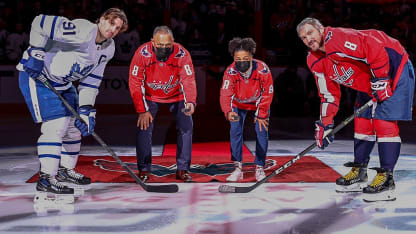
x=236 y=189
x=168 y=188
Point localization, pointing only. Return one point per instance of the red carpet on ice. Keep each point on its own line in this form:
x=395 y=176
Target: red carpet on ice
x=210 y=162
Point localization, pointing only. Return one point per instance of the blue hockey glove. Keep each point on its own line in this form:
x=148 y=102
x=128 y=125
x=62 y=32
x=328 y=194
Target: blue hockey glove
x=87 y=114
x=321 y=132
x=35 y=63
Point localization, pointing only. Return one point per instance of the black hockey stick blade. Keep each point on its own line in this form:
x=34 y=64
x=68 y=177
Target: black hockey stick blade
x=237 y=189
x=168 y=188
x=165 y=188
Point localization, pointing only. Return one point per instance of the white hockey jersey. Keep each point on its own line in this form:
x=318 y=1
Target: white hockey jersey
x=71 y=54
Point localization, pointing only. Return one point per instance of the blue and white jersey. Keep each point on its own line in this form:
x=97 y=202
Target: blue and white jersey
x=71 y=54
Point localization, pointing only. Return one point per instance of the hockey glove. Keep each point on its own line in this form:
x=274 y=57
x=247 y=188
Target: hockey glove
x=35 y=63
x=381 y=88
x=321 y=134
x=87 y=114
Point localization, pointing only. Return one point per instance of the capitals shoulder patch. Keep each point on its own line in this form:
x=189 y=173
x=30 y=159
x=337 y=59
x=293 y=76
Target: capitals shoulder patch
x=232 y=71
x=145 y=52
x=181 y=53
x=265 y=69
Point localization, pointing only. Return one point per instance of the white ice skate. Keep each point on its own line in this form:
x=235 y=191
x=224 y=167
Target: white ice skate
x=48 y=189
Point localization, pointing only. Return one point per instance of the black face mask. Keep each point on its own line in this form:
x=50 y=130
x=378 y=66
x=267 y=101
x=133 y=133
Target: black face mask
x=242 y=66
x=162 y=54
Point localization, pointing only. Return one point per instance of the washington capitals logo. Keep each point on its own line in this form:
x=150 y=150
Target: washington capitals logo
x=180 y=54
x=167 y=87
x=145 y=52
x=249 y=100
x=161 y=171
x=343 y=78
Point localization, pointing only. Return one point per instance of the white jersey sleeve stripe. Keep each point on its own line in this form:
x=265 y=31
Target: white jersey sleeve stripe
x=323 y=88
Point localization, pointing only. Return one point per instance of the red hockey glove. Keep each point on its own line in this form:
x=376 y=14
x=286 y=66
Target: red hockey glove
x=321 y=134
x=381 y=88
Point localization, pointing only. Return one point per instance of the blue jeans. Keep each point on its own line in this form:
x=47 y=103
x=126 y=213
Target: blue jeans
x=236 y=139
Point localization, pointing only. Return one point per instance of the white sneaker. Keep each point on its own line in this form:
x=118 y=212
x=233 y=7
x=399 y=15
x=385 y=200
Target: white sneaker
x=260 y=173
x=237 y=174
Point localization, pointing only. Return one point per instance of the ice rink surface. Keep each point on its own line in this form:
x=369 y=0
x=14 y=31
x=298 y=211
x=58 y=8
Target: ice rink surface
x=200 y=208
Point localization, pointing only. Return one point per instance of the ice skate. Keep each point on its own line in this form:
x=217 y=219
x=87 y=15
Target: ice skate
x=353 y=181
x=237 y=174
x=48 y=189
x=260 y=173
x=74 y=179
x=382 y=188
x=71 y=176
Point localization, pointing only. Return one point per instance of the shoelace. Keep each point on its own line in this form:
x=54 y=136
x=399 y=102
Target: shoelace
x=74 y=174
x=56 y=183
x=352 y=174
x=260 y=171
x=379 y=180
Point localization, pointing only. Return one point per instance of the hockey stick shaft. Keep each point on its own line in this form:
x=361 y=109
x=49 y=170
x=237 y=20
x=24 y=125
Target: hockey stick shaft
x=172 y=188
x=234 y=189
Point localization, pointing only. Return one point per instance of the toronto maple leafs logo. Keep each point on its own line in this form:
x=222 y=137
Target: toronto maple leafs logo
x=145 y=52
x=161 y=171
x=76 y=73
x=180 y=54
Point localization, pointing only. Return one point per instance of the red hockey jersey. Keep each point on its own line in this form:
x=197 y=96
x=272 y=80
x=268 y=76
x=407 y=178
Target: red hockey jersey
x=351 y=58
x=254 y=93
x=165 y=82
